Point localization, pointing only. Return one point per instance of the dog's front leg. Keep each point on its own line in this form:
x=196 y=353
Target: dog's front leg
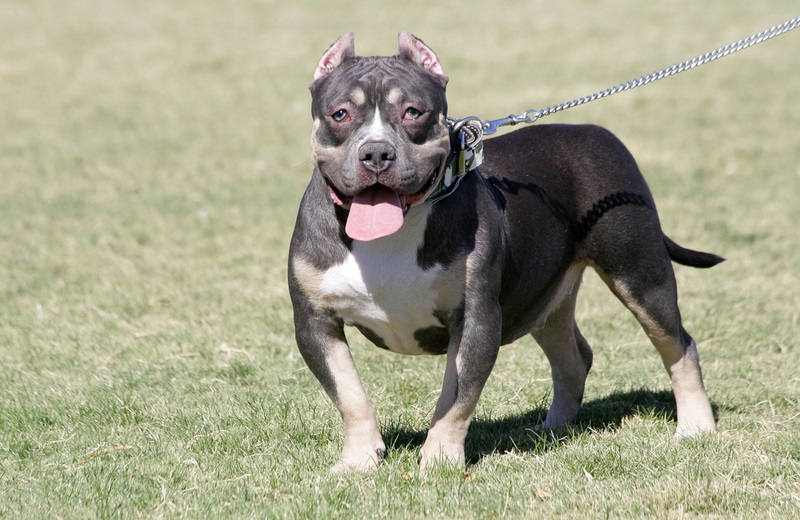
x=323 y=345
x=470 y=358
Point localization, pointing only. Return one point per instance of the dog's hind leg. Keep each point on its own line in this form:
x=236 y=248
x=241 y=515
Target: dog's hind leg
x=650 y=293
x=570 y=359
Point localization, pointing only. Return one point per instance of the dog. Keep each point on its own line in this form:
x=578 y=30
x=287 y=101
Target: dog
x=383 y=244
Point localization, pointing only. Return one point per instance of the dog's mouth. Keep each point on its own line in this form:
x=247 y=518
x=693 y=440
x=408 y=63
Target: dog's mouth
x=406 y=200
x=378 y=211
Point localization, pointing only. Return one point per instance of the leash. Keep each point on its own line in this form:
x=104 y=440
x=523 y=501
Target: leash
x=531 y=115
x=467 y=133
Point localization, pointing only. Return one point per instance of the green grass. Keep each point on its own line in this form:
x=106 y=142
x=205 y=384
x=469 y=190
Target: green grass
x=152 y=157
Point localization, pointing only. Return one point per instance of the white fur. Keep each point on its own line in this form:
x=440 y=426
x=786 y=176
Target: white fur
x=381 y=286
x=376 y=131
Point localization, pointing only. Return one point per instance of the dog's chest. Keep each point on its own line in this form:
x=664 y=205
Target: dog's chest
x=381 y=287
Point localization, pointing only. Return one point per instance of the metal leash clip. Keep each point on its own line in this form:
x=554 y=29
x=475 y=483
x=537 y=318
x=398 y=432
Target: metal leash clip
x=529 y=116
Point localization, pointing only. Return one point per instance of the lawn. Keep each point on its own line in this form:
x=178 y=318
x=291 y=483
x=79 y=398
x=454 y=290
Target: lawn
x=152 y=158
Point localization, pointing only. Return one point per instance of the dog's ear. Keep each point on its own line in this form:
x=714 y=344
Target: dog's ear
x=415 y=49
x=341 y=50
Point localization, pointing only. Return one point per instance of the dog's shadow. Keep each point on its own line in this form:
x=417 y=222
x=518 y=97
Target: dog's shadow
x=519 y=432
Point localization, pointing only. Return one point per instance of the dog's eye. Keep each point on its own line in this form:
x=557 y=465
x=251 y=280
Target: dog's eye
x=341 y=116
x=411 y=114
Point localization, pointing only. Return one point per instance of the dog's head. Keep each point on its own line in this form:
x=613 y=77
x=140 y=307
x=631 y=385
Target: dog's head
x=380 y=136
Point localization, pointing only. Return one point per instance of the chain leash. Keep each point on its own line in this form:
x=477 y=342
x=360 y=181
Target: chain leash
x=468 y=132
x=531 y=115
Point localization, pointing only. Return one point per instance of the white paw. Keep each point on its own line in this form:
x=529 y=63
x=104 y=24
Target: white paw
x=360 y=463
x=441 y=454
x=694 y=430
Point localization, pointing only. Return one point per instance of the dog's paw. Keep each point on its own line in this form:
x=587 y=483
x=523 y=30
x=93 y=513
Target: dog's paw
x=441 y=454
x=562 y=413
x=695 y=418
x=360 y=463
x=695 y=430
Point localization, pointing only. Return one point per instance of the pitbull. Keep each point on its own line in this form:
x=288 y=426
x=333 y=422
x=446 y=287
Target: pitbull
x=378 y=247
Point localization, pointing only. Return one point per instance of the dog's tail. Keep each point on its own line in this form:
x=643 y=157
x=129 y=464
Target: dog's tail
x=690 y=257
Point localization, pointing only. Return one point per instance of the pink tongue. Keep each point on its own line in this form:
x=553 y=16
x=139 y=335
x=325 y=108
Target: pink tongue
x=376 y=212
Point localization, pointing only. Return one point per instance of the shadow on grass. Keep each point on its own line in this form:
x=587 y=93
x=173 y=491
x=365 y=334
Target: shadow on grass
x=519 y=433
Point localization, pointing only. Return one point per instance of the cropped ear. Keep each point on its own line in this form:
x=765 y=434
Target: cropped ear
x=415 y=49
x=340 y=51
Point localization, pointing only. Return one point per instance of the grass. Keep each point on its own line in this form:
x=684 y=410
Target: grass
x=152 y=157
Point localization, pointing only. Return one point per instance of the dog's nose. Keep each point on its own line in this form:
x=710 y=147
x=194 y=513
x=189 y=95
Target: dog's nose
x=377 y=156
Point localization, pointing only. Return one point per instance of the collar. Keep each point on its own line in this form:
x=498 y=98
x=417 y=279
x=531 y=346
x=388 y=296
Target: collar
x=466 y=136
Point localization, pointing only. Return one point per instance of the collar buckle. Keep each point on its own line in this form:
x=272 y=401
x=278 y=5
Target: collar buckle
x=466 y=155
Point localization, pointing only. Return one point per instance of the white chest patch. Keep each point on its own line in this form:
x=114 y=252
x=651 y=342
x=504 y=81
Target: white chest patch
x=381 y=287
